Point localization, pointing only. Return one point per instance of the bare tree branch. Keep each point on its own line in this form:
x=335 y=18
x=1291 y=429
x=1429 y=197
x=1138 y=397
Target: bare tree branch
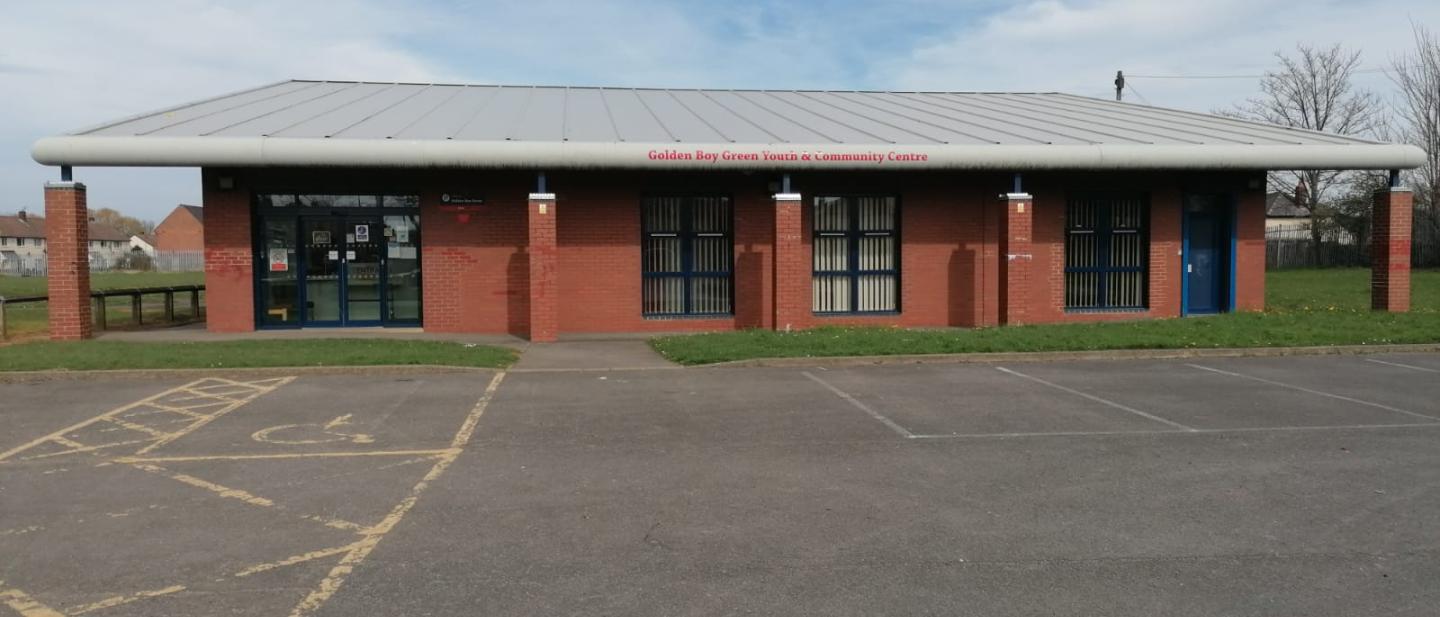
x=1312 y=89
x=1418 y=77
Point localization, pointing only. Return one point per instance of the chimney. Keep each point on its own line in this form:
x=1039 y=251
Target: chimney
x=1302 y=194
x=22 y=215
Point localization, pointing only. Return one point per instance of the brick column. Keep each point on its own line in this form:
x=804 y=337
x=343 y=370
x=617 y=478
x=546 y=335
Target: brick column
x=1015 y=257
x=1390 y=251
x=792 y=295
x=544 y=274
x=67 y=225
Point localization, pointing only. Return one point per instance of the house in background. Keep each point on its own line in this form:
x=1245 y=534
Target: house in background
x=143 y=243
x=182 y=230
x=1281 y=214
x=23 y=238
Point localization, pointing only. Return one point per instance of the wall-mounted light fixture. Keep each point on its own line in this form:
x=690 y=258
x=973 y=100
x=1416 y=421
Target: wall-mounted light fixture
x=225 y=183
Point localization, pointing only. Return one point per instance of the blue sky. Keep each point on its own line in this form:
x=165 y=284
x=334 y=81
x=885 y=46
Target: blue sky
x=66 y=64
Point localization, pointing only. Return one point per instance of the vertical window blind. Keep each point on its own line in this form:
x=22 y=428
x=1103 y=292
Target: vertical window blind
x=687 y=252
x=856 y=266
x=1106 y=256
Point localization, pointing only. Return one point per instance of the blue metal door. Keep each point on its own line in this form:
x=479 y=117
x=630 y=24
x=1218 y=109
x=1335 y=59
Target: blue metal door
x=1207 y=254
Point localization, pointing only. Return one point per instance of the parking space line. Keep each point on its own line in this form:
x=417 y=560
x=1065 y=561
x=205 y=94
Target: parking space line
x=280 y=455
x=1198 y=431
x=1315 y=392
x=902 y=431
x=119 y=600
x=294 y=559
x=25 y=605
x=256 y=389
x=1092 y=397
x=1409 y=366
x=372 y=535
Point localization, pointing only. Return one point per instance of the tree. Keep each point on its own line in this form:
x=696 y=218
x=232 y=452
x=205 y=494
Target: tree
x=1418 y=76
x=1312 y=89
x=127 y=224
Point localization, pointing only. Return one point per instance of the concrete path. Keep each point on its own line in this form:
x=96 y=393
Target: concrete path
x=591 y=356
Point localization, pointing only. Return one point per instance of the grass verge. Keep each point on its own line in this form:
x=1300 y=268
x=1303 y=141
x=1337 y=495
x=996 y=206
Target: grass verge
x=99 y=355
x=1307 y=308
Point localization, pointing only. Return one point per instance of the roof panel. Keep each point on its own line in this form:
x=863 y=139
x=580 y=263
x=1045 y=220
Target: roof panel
x=447 y=118
x=633 y=119
x=327 y=125
x=558 y=126
x=496 y=122
x=145 y=123
x=678 y=119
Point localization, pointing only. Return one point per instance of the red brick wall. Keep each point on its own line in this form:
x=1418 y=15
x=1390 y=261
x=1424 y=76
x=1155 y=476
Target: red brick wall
x=229 y=265
x=67 y=249
x=180 y=231
x=1250 y=243
x=476 y=274
x=1390 y=251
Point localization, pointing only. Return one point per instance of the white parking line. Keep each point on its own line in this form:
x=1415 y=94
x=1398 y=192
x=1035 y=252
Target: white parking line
x=1097 y=399
x=1409 y=366
x=1315 y=392
x=902 y=431
x=1200 y=431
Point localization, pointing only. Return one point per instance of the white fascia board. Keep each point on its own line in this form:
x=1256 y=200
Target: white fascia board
x=121 y=151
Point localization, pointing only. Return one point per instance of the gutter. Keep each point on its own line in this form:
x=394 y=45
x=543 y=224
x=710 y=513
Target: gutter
x=131 y=151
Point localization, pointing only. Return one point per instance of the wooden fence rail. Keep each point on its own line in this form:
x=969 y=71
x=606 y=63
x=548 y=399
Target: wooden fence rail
x=137 y=312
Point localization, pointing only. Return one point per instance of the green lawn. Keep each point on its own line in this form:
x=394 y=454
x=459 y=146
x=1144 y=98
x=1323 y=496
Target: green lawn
x=30 y=319
x=1305 y=307
x=95 y=355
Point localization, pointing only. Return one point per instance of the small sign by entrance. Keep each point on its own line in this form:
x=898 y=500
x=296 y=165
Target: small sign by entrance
x=362 y=233
x=279 y=260
x=461 y=199
x=320 y=237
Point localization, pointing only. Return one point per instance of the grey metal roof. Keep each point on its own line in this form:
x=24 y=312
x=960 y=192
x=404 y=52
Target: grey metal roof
x=286 y=123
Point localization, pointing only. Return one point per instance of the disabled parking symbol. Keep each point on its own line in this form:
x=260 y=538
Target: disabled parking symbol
x=311 y=433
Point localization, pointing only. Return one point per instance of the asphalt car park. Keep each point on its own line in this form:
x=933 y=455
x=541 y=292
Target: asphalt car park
x=1298 y=485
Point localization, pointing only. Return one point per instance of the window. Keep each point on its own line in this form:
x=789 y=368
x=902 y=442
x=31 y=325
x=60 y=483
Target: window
x=330 y=202
x=857 y=259
x=1105 y=252
x=686 y=255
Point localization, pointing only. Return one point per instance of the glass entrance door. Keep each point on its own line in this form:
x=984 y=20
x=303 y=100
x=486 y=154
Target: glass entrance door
x=324 y=242
x=364 y=265
x=337 y=260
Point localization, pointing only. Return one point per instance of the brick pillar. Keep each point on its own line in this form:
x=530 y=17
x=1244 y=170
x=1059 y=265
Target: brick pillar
x=1015 y=257
x=544 y=274
x=67 y=225
x=1390 y=251
x=792 y=295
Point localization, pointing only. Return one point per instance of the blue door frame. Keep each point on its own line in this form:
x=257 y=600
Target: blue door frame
x=1227 y=206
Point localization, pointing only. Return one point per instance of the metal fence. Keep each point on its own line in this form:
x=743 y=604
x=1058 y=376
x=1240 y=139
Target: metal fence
x=161 y=261
x=1294 y=248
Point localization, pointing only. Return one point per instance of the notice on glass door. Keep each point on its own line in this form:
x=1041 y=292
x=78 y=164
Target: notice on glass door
x=362 y=233
x=279 y=260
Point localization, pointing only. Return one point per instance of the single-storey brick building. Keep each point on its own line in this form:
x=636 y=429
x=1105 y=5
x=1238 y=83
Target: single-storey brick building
x=544 y=211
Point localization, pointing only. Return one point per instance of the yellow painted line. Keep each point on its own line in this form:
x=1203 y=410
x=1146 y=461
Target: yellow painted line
x=68 y=442
x=83 y=449
x=280 y=455
x=223 y=491
x=362 y=549
x=261 y=387
x=259 y=391
x=118 y=600
x=138 y=427
x=290 y=561
x=334 y=522
x=25 y=605
x=158 y=408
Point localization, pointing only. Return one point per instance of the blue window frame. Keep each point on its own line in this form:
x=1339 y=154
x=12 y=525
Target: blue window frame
x=1106 y=252
x=687 y=255
x=856 y=267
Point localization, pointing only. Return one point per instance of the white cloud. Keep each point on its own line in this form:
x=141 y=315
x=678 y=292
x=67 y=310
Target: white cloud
x=84 y=62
